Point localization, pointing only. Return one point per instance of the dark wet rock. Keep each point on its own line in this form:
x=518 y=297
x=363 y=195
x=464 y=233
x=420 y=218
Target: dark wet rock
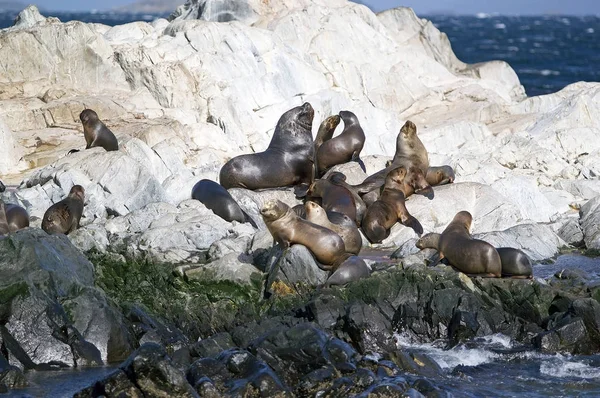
x=384 y=390
x=293 y=269
x=368 y=328
x=416 y=363
x=52 y=314
x=236 y=372
x=10 y=376
x=148 y=372
x=213 y=346
x=150 y=329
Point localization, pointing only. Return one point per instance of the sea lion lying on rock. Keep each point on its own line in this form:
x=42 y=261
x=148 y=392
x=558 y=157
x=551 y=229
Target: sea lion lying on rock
x=16 y=217
x=63 y=217
x=217 y=199
x=347 y=229
x=473 y=257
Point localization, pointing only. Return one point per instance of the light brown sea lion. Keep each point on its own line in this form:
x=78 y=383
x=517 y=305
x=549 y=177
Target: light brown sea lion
x=515 y=263
x=340 y=179
x=473 y=257
x=3 y=222
x=347 y=231
x=16 y=216
x=63 y=217
x=326 y=130
x=288 y=160
x=345 y=147
x=389 y=209
x=352 y=269
x=96 y=133
x=217 y=199
x=334 y=198
x=288 y=229
x=440 y=175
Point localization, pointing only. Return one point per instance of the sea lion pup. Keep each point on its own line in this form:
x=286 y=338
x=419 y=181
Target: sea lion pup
x=96 y=133
x=352 y=269
x=473 y=257
x=389 y=209
x=334 y=198
x=340 y=179
x=326 y=130
x=287 y=161
x=217 y=199
x=345 y=147
x=3 y=222
x=515 y=263
x=63 y=217
x=288 y=229
x=440 y=175
x=347 y=230
x=16 y=217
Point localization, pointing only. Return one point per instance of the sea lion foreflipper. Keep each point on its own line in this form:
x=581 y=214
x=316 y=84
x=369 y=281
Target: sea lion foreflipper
x=356 y=158
x=413 y=223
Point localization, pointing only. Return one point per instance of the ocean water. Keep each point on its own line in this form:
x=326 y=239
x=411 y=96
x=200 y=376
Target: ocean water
x=547 y=52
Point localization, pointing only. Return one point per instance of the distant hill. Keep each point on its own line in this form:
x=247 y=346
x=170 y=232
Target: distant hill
x=149 y=6
x=11 y=5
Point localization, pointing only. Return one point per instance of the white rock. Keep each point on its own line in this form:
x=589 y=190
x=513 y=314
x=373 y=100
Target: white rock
x=590 y=223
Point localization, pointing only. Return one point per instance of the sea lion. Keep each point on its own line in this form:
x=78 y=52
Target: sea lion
x=347 y=230
x=334 y=198
x=439 y=175
x=473 y=257
x=515 y=263
x=3 y=222
x=326 y=130
x=389 y=209
x=217 y=199
x=16 y=216
x=288 y=229
x=287 y=161
x=2 y=187
x=96 y=133
x=345 y=147
x=352 y=269
x=63 y=217
x=340 y=179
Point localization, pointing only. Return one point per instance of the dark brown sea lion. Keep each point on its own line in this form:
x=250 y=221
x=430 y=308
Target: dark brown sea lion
x=16 y=216
x=2 y=187
x=515 y=263
x=473 y=257
x=96 y=133
x=287 y=161
x=345 y=147
x=3 y=222
x=288 y=229
x=217 y=199
x=352 y=269
x=63 y=217
x=389 y=209
x=347 y=230
x=439 y=175
x=334 y=198
x=340 y=179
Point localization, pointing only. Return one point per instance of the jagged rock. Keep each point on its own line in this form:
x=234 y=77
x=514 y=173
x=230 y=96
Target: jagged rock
x=590 y=223
x=52 y=311
x=293 y=268
x=232 y=269
x=10 y=150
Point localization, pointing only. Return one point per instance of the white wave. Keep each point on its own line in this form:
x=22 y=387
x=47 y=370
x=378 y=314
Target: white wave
x=513 y=48
x=561 y=367
x=543 y=72
x=590 y=30
x=500 y=26
x=482 y=15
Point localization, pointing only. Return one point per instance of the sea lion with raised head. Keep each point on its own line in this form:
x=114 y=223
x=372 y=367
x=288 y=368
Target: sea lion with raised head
x=288 y=229
x=345 y=147
x=473 y=257
x=16 y=217
x=352 y=269
x=63 y=217
x=389 y=209
x=346 y=230
x=334 y=198
x=340 y=179
x=325 y=132
x=96 y=133
x=288 y=160
x=217 y=199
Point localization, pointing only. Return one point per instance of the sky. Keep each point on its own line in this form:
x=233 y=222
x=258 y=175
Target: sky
x=422 y=7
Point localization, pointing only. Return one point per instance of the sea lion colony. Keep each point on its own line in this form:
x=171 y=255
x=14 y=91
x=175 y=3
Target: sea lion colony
x=334 y=213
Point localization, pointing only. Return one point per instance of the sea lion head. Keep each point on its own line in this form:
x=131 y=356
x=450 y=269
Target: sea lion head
x=337 y=177
x=87 y=116
x=348 y=117
x=77 y=192
x=407 y=135
x=300 y=116
x=429 y=240
x=396 y=176
x=273 y=210
x=313 y=209
x=417 y=180
x=465 y=218
x=316 y=188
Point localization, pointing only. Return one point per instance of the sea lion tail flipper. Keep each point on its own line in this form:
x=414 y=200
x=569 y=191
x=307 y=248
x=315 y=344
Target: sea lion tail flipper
x=426 y=191
x=249 y=219
x=435 y=260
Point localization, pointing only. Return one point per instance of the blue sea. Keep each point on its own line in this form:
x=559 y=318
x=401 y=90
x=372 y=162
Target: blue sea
x=547 y=52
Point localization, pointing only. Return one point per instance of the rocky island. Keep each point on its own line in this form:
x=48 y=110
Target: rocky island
x=192 y=305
